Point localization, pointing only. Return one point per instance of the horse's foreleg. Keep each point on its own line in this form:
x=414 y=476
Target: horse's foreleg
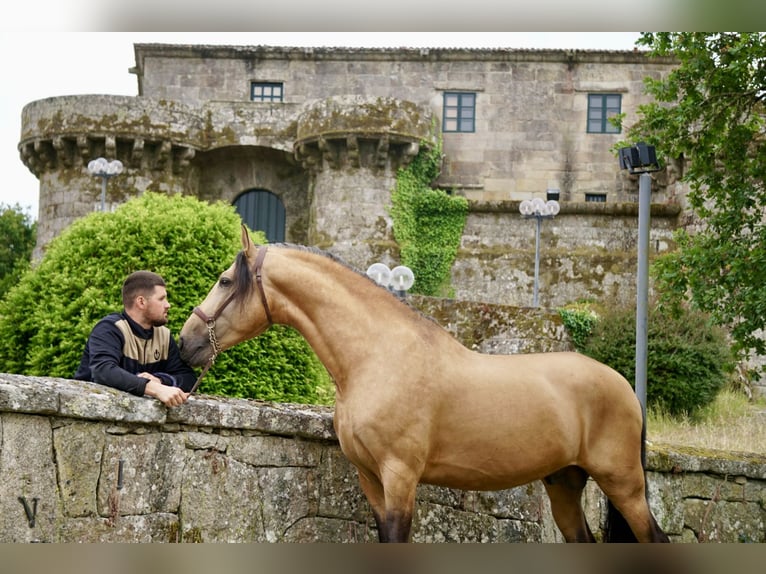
x=373 y=491
x=396 y=527
x=392 y=516
x=399 y=488
x=564 y=489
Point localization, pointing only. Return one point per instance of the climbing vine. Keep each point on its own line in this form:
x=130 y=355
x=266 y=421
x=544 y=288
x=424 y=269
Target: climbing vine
x=428 y=223
x=580 y=319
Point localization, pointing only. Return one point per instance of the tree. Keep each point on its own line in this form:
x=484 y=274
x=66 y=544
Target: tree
x=708 y=115
x=46 y=317
x=18 y=234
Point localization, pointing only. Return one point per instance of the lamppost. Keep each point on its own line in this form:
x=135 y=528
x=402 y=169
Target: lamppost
x=399 y=279
x=539 y=209
x=105 y=169
x=641 y=159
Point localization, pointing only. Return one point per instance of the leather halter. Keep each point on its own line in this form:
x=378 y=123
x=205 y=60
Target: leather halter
x=210 y=321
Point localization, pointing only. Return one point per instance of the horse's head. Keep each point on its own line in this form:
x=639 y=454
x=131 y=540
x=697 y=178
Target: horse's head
x=228 y=315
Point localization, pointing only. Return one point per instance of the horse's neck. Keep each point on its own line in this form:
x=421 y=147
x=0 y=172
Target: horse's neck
x=341 y=314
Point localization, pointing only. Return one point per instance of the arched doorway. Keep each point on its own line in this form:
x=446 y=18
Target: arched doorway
x=261 y=210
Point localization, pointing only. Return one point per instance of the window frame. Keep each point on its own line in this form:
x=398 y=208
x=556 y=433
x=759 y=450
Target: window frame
x=606 y=112
x=459 y=109
x=271 y=97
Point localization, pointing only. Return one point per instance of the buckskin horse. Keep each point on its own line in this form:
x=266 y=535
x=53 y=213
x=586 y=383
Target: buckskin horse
x=413 y=405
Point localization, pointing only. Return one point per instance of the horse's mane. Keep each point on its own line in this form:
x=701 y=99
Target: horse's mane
x=243 y=274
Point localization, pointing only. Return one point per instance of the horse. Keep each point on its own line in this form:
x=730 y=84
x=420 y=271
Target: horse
x=413 y=405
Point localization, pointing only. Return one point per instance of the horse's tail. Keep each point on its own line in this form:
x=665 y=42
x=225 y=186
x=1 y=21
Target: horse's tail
x=616 y=528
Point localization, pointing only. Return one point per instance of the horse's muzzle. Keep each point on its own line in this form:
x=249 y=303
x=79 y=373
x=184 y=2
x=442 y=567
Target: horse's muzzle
x=194 y=354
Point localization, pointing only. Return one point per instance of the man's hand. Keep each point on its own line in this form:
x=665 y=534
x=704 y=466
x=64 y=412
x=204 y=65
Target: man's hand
x=169 y=396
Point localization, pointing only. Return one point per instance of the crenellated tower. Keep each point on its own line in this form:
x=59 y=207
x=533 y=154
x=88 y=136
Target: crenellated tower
x=333 y=162
x=61 y=135
x=352 y=148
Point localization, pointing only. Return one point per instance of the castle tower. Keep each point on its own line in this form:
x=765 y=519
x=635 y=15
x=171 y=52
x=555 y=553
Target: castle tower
x=352 y=147
x=332 y=162
x=155 y=142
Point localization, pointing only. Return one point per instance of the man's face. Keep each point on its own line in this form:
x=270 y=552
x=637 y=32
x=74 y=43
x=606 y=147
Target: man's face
x=156 y=307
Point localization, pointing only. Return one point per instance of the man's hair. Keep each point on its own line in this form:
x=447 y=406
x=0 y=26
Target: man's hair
x=140 y=283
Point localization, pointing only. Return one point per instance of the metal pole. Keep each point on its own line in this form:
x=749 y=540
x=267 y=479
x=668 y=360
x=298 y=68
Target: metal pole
x=642 y=287
x=537 y=261
x=103 y=193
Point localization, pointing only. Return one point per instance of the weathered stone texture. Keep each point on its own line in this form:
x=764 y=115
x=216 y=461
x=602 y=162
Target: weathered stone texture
x=586 y=249
x=84 y=463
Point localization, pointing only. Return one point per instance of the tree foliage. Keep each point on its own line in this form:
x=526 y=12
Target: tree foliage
x=18 y=234
x=46 y=318
x=708 y=115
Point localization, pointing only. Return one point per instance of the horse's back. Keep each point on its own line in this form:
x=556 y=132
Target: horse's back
x=537 y=373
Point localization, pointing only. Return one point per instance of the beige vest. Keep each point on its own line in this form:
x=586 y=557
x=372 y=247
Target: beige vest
x=145 y=351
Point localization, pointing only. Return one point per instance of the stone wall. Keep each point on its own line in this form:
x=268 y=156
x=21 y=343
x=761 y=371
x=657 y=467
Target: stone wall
x=84 y=463
x=588 y=251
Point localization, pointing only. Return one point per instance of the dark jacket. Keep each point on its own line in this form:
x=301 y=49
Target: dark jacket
x=118 y=348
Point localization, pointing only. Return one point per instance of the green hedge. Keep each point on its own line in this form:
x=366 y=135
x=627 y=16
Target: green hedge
x=46 y=318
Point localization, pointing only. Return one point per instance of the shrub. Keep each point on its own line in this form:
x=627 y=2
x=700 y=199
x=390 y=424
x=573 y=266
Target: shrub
x=46 y=318
x=689 y=358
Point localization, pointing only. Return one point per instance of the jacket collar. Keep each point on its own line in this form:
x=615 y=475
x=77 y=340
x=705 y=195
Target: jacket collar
x=137 y=329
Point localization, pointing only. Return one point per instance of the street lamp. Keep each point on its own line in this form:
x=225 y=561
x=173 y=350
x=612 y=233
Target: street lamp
x=641 y=159
x=399 y=279
x=539 y=209
x=105 y=169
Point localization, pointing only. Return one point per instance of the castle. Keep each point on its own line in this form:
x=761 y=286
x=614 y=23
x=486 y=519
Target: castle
x=306 y=143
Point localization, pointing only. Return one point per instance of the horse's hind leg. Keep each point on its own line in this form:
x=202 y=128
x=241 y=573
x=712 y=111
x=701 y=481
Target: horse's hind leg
x=565 y=488
x=628 y=496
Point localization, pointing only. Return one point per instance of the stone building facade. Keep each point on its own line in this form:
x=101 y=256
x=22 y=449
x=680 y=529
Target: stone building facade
x=322 y=131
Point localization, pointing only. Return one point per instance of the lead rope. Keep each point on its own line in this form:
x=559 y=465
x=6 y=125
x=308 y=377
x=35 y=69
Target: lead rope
x=211 y=360
x=210 y=321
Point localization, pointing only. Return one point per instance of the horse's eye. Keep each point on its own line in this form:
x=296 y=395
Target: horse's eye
x=224 y=281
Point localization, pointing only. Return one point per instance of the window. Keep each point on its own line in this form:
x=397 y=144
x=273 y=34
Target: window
x=266 y=91
x=595 y=197
x=459 y=112
x=601 y=107
x=263 y=211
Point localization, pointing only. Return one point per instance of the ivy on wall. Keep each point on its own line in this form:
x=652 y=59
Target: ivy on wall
x=427 y=223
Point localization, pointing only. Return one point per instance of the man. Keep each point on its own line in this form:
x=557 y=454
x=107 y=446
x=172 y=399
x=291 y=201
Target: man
x=133 y=351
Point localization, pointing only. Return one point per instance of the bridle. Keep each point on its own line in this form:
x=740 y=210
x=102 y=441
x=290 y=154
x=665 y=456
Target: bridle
x=210 y=320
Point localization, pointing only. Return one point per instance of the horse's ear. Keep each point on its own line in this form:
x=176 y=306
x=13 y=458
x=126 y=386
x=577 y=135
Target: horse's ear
x=247 y=245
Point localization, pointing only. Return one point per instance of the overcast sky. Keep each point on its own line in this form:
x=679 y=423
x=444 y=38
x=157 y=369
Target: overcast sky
x=40 y=65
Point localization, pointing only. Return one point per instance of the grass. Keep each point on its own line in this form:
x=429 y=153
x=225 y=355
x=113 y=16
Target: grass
x=730 y=423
